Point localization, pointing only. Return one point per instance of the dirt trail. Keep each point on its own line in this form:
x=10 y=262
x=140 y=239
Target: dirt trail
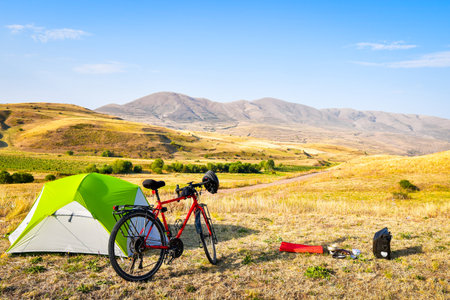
x=264 y=185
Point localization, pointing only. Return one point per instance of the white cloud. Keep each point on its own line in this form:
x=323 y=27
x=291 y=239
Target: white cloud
x=107 y=68
x=398 y=45
x=44 y=35
x=432 y=60
x=59 y=34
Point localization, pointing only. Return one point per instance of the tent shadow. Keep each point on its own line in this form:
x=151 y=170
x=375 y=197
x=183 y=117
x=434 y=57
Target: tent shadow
x=407 y=251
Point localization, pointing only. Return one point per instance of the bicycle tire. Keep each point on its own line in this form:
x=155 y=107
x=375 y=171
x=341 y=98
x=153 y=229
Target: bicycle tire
x=130 y=232
x=208 y=240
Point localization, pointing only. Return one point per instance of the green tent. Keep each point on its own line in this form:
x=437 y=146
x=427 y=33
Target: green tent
x=74 y=214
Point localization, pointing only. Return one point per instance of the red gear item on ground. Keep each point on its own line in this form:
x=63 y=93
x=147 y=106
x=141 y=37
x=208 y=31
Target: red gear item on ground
x=298 y=248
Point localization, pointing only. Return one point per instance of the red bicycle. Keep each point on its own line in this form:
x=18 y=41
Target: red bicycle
x=140 y=243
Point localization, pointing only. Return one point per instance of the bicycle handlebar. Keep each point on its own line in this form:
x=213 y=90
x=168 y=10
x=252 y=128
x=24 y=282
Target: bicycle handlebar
x=190 y=185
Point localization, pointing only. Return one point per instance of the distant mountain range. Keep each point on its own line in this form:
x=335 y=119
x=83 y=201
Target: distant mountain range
x=276 y=119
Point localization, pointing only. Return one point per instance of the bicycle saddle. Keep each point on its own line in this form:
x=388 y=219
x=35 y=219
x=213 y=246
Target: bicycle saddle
x=153 y=184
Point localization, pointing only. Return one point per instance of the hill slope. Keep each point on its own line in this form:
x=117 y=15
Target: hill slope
x=373 y=130
x=57 y=128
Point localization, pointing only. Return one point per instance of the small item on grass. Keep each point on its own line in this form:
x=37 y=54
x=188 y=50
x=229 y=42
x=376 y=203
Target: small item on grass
x=333 y=248
x=299 y=248
x=355 y=253
x=342 y=253
x=382 y=244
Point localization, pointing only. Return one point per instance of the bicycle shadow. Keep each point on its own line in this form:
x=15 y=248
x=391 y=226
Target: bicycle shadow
x=191 y=238
x=232 y=261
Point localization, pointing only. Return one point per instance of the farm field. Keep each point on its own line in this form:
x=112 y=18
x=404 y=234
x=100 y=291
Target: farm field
x=345 y=205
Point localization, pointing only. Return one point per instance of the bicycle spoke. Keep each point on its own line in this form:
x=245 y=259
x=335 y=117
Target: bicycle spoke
x=129 y=235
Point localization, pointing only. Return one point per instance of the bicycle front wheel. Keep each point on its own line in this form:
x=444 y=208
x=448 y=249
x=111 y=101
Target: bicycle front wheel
x=129 y=249
x=207 y=234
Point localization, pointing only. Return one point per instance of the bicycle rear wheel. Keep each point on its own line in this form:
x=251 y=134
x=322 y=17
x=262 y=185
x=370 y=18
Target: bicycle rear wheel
x=128 y=249
x=207 y=235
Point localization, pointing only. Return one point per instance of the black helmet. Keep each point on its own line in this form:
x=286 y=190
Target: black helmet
x=211 y=182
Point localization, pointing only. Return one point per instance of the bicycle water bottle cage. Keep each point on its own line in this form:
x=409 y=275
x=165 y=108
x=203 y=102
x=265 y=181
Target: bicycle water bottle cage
x=153 y=184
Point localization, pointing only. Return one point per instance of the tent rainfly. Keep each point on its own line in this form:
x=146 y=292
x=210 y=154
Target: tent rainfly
x=74 y=214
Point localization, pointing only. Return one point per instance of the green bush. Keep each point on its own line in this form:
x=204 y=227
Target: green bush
x=106 y=169
x=70 y=152
x=50 y=177
x=269 y=165
x=137 y=169
x=157 y=164
x=22 y=177
x=107 y=153
x=92 y=168
x=5 y=177
x=405 y=184
x=157 y=170
x=122 y=166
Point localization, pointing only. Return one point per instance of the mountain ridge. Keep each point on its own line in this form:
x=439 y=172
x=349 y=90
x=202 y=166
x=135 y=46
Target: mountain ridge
x=181 y=111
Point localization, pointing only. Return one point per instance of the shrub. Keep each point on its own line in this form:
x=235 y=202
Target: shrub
x=405 y=184
x=107 y=153
x=50 y=177
x=106 y=169
x=157 y=164
x=70 y=152
x=137 y=169
x=5 y=177
x=92 y=168
x=22 y=177
x=157 y=170
x=122 y=166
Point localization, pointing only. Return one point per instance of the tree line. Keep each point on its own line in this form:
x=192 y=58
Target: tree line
x=158 y=166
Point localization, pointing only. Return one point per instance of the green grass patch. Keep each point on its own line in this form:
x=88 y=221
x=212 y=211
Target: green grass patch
x=318 y=272
x=85 y=288
x=33 y=164
x=35 y=260
x=35 y=269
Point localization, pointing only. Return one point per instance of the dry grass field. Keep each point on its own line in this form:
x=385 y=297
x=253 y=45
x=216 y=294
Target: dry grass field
x=346 y=205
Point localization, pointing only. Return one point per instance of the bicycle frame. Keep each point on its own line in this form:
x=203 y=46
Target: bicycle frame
x=160 y=209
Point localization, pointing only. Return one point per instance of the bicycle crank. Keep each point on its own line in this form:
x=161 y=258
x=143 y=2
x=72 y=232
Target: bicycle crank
x=176 y=248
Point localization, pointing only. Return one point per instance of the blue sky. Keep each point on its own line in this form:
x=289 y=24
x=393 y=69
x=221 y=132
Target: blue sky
x=368 y=55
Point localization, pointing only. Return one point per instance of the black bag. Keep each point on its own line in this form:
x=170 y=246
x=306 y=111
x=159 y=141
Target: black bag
x=382 y=244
